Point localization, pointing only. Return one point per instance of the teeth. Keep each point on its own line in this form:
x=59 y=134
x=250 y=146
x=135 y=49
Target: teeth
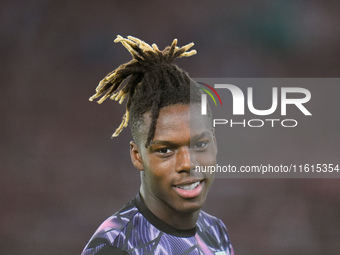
x=189 y=186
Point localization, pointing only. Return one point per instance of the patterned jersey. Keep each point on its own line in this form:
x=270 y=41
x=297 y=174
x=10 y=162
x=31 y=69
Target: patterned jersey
x=136 y=230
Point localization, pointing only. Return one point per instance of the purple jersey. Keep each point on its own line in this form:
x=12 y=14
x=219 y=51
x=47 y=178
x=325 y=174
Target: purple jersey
x=136 y=230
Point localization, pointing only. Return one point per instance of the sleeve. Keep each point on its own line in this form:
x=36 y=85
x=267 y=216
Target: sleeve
x=100 y=246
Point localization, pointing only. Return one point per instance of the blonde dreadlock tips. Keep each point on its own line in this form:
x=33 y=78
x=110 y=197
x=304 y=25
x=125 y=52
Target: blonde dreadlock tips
x=188 y=54
x=143 y=56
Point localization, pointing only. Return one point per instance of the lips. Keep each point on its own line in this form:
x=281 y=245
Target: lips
x=188 y=186
x=189 y=189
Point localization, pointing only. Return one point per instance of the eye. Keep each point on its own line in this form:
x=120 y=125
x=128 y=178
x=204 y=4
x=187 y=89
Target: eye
x=164 y=151
x=200 y=145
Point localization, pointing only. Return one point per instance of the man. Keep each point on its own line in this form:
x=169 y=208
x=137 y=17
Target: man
x=171 y=137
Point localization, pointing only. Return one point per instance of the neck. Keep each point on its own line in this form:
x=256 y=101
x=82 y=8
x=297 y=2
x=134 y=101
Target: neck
x=174 y=218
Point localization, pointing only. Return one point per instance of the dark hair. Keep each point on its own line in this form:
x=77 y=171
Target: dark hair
x=154 y=82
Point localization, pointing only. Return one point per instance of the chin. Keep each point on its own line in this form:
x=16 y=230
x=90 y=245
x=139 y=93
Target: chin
x=190 y=207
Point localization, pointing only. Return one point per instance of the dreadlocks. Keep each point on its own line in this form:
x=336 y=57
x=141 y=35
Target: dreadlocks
x=154 y=82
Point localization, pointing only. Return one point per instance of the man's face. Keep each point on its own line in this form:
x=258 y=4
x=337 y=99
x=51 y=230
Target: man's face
x=183 y=139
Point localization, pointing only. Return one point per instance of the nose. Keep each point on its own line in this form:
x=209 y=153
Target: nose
x=184 y=160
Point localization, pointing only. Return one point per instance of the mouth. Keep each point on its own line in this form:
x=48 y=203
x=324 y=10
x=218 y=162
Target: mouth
x=190 y=189
x=191 y=186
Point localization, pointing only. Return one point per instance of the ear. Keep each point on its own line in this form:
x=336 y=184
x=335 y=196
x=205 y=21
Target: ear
x=136 y=156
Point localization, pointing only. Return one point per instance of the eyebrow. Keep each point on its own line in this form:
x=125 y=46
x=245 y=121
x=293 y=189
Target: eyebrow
x=199 y=136
x=161 y=142
x=168 y=143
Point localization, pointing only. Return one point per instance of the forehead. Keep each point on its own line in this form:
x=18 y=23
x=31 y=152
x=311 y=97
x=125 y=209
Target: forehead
x=178 y=120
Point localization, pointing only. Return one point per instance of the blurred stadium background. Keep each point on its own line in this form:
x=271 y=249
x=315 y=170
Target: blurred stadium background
x=62 y=175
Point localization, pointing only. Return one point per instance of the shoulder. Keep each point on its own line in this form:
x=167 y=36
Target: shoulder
x=104 y=249
x=206 y=219
x=213 y=231
x=104 y=240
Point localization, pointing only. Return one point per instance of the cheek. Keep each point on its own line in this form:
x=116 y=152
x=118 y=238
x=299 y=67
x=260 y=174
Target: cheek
x=210 y=181
x=206 y=159
x=158 y=166
x=157 y=171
